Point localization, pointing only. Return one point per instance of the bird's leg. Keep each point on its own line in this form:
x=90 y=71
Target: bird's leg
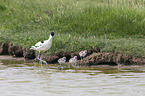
x=69 y=65
x=60 y=66
x=38 y=55
x=81 y=59
x=43 y=60
x=75 y=65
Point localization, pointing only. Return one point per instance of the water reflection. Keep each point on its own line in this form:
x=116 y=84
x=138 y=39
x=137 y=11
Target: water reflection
x=19 y=79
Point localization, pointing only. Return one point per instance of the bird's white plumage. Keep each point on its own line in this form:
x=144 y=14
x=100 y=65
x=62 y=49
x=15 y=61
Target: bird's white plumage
x=83 y=53
x=73 y=60
x=62 y=60
x=43 y=46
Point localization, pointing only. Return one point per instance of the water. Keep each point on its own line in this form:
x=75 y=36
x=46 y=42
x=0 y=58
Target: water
x=27 y=79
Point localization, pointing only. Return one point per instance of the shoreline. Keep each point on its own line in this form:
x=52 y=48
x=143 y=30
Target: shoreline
x=94 y=56
x=8 y=57
x=85 y=68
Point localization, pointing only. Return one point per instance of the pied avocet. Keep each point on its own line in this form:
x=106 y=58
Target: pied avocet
x=43 y=46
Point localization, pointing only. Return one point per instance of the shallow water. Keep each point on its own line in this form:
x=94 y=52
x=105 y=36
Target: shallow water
x=26 y=79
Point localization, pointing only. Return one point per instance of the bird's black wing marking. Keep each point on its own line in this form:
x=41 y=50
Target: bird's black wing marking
x=42 y=41
x=36 y=46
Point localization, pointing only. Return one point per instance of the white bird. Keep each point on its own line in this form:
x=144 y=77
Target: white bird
x=61 y=61
x=43 y=46
x=73 y=61
x=83 y=54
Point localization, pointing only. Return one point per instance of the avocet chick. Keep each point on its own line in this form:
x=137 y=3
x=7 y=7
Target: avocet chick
x=61 y=61
x=83 y=54
x=73 y=61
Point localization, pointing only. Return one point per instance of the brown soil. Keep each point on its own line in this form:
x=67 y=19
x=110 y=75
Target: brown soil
x=94 y=56
x=16 y=51
x=4 y=49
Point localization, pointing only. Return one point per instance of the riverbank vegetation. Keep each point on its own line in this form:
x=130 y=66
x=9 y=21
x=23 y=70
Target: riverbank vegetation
x=111 y=25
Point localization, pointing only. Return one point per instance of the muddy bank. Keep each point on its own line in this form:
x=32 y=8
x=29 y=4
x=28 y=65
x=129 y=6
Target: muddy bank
x=94 y=56
x=8 y=57
x=16 y=51
x=112 y=59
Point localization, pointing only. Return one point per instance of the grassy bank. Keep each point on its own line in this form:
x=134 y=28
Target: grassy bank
x=112 y=25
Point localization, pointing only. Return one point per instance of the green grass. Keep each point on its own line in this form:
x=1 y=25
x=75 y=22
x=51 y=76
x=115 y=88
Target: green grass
x=113 y=25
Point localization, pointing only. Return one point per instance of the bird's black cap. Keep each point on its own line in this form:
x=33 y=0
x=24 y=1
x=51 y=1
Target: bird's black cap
x=52 y=34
